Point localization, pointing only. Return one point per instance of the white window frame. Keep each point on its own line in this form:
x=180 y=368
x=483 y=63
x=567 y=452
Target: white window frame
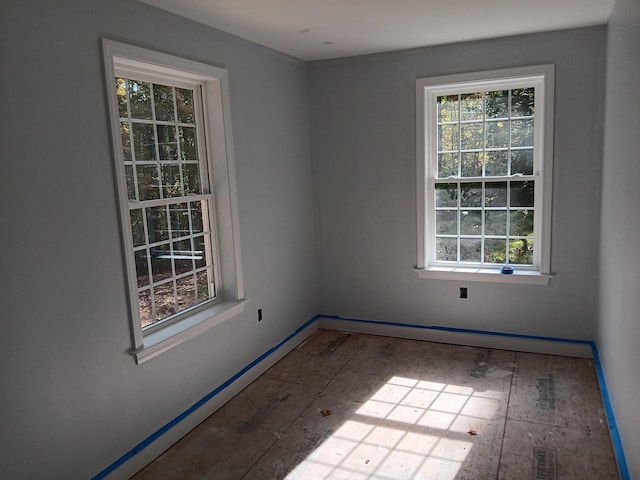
x=427 y=91
x=123 y=59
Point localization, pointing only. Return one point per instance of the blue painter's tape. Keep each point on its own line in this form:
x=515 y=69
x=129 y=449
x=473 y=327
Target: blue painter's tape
x=161 y=431
x=460 y=330
x=613 y=427
x=615 y=435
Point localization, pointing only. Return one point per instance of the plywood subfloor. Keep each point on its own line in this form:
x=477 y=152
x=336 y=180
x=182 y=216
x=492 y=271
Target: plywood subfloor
x=351 y=406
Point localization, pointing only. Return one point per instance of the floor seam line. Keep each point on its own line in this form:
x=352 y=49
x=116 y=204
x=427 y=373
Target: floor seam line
x=315 y=396
x=284 y=431
x=506 y=418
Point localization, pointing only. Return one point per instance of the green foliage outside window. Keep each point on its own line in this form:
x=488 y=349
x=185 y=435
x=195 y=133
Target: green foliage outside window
x=479 y=136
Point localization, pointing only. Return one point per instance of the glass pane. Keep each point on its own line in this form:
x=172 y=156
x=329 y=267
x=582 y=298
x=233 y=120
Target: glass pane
x=448 y=108
x=140 y=99
x=191 y=178
x=186 y=292
x=199 y=252
x=171 y=186
x=144 y=302
x=496 y=163
x=183 y=256
x=470 y=195
x=125 y=131
x=447 y=222
x=471 y=164
x=446 y=195
x=522 y=133
x=472 y=136
x=184 y=104
x=521 y=251
x=148 y=182
x=522 y=102
x=163 y=98
x=188 y=144
x=495 y=222
x=497 y=104
x=196 y=217
x=470 y=250
x=144 y=142
x=521 y=194
x=179 y=215
x=131 y=182
x=142 y=268
x=157 y=224
x=521 y=223
x=137 y=227
x=495 y=250
x=446 y=249
x=495 y=194
x=448 y=137
x=522 y=162
x=204 y=290
x=447 y=165
x=167 y=143
x=160 y=263
x=471 y=222
x=121 y=94
x=164 y=300
x=471 y=106
x=498 y=134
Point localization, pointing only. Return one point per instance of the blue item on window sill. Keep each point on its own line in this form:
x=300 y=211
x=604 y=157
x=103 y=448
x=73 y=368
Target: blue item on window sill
x=506 y=270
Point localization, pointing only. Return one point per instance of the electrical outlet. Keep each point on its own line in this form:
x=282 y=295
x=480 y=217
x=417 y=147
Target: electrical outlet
x=463 y=292
x=259 y=314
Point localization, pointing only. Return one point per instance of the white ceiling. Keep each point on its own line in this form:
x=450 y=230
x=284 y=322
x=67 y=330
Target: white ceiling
x=322 y=29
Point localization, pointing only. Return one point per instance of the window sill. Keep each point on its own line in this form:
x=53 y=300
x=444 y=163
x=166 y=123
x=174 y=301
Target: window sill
x=488 y=275
x=170 y=336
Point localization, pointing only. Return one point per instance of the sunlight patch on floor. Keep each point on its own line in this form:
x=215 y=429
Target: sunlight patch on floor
x=430 y=404
x=409 y=429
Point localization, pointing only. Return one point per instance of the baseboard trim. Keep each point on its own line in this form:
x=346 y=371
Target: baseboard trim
x=489 y=339
x=611 y=418
x=159 y=441
x=461 y=336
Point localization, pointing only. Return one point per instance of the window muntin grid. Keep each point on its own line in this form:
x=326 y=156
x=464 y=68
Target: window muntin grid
x=484 y=222
x=170 y=204
x=483 y=189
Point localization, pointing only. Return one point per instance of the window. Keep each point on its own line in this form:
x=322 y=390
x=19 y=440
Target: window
x=484 y=175
x=172 y=146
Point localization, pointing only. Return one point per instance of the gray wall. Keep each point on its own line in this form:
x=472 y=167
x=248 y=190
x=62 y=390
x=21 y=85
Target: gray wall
x=619 y=328
x=72 y=399
x=363 y=152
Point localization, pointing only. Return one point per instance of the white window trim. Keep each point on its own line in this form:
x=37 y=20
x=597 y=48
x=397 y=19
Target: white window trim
x=219 y=144
x=544 y=137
